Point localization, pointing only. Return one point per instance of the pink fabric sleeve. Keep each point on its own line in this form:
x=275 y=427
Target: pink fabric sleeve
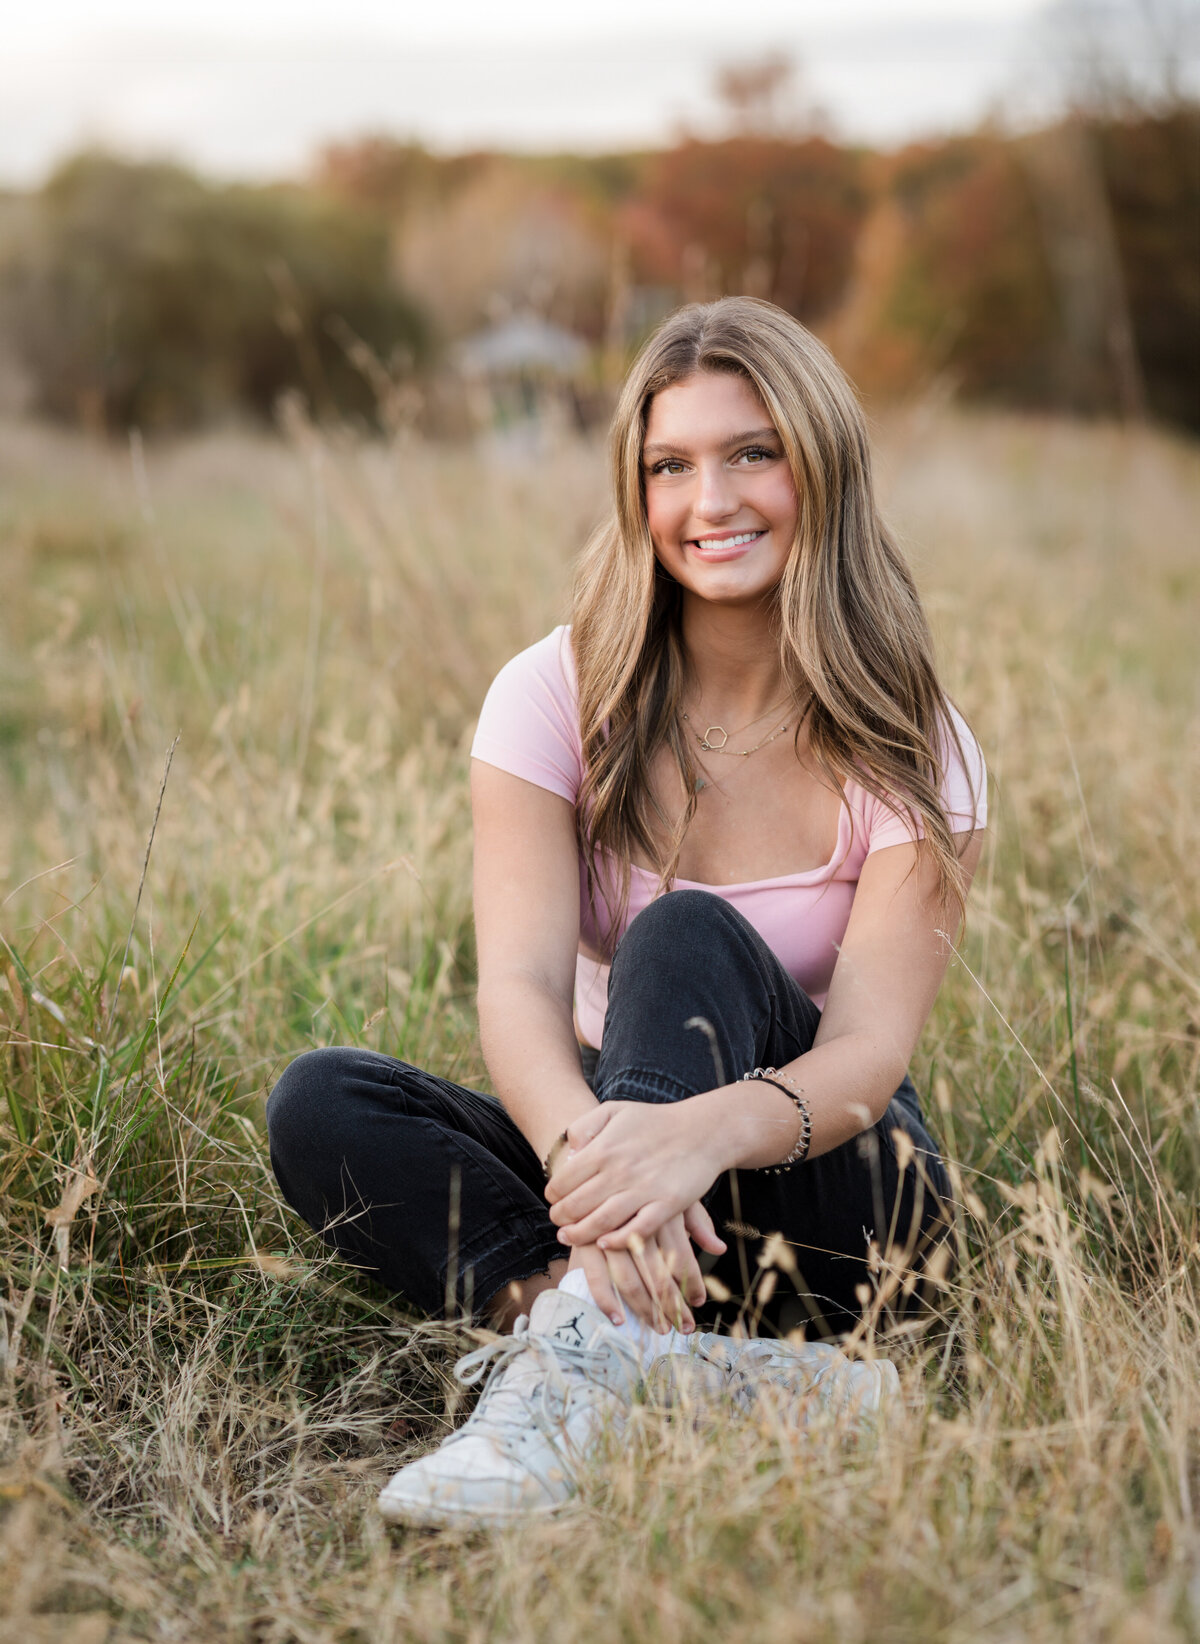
x=964 y=794
x=528 y=724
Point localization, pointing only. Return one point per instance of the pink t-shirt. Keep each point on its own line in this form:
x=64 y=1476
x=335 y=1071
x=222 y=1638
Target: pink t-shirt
x=529 y=726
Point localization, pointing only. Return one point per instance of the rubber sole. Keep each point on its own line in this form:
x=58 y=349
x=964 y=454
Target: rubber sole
x=429 y=1516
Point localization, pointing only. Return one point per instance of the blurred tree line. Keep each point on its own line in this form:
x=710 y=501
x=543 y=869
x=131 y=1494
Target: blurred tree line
x=138 y=294
x=1058 y=269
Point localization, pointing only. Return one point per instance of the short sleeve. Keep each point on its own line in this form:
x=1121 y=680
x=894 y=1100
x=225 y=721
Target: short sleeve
x=528 y=724
x=964 y=794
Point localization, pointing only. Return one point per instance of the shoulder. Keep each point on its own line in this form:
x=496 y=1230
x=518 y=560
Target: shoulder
x=529 y=722
x=547 y=666
x=963 y=792
x=964 y=779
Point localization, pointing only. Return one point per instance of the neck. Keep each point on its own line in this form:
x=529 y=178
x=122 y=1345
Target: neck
x=733 y=657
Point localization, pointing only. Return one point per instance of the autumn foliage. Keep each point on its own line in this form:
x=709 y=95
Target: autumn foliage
x=774 y=218
x=1055 y=269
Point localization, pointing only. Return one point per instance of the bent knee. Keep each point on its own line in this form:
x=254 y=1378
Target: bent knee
x=312 y=1095
x=674 y=921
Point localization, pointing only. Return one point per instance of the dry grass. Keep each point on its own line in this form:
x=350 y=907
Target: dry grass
x=196 y=1411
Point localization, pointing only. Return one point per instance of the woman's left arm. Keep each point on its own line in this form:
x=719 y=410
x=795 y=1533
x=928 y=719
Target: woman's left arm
x=889 y=969
x=633 y=1165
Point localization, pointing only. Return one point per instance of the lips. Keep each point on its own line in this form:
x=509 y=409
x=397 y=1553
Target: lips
x=726 y=547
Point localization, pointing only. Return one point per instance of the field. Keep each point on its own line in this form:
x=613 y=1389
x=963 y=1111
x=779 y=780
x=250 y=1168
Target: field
x=197 y=1408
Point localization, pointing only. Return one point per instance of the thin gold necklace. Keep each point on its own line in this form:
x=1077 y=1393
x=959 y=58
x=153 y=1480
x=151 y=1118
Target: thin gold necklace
x=709 y=746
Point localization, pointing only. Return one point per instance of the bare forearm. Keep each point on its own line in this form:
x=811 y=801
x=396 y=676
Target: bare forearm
x=532 y=1055
x=846 y=1082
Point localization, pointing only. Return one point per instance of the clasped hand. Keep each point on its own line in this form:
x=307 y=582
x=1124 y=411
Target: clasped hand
x=627 y=1168
x=625 y=1195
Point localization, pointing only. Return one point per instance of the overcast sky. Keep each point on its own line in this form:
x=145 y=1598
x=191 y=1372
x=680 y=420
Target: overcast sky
x=253 y=87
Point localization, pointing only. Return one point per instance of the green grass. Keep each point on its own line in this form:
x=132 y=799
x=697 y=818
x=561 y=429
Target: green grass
x=197 y=1406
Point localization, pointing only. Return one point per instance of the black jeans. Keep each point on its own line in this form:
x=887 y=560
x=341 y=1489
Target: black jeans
x=434 y=1189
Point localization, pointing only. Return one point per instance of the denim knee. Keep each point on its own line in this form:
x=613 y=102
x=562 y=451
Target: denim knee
x=306 y=1097
x=680 y=917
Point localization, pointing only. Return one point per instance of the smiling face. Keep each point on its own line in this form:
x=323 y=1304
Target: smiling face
x=720 y=501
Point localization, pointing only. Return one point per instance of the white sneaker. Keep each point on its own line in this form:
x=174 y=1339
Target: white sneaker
x=555 y=1385
x=809 y=1382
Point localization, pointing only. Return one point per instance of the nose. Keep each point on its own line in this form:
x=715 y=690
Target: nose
x=716 y=497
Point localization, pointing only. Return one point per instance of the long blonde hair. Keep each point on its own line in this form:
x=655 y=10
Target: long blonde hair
x=854 y=645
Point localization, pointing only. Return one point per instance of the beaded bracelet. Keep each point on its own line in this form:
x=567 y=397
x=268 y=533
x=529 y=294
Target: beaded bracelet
x=772 y=1076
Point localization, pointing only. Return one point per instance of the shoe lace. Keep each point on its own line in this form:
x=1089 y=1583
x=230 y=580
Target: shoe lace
x=541 y=1405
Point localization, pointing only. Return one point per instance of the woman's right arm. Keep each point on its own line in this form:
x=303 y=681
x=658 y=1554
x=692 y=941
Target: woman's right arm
x=527 y=935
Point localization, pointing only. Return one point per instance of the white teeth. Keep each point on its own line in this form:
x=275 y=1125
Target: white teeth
x=730 y=542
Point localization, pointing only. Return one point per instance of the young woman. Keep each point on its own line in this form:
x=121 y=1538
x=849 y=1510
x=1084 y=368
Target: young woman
x=725 y=823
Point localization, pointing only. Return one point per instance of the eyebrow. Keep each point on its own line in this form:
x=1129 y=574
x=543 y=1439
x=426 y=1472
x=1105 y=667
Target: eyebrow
x=658 y=448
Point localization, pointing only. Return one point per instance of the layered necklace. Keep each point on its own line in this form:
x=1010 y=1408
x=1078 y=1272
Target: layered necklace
x=716 y=738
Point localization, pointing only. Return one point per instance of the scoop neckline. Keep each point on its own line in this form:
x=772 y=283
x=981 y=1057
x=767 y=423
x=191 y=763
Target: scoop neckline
x=805 y=876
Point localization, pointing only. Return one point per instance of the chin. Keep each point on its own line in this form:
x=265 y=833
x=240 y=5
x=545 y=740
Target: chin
x=728 y=588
